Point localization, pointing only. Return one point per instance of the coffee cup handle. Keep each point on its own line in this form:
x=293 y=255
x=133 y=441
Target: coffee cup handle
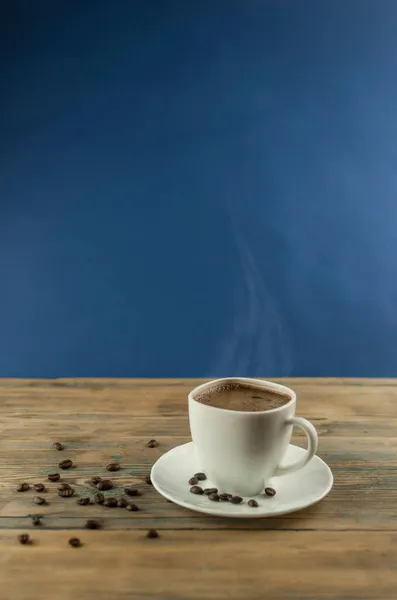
x=312 y=441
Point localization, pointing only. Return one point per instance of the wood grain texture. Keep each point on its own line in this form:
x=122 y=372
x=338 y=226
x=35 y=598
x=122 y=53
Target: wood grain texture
x=342 y=548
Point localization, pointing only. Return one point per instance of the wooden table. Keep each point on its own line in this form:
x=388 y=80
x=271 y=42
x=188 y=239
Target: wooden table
x=343 y=548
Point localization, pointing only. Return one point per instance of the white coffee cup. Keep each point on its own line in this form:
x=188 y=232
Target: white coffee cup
x=240 y=451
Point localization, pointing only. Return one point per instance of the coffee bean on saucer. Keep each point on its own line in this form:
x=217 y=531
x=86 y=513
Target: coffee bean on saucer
x=253 y=503
x=110 y=502
x=39 y=487
x=224 y=497
x=23 y=487
x=99 y=498
x=152 y=444
x=24 y=539
x=148 y=480
x=104 y=484
x=270 y=491
x=114 y=466
x=57 y=446
x=122 y=502
x=66 y=492
x=209 y=491
x=196 y=489
x=39 y=500
x=152 y=533
x=193 y=481
x=36 y=519
x=96 y=479
x=65 y=464
x=236 y=500
x=74 y=542
x=201 y=476
x=131 y=491
x=83 y=501
x=63 y=486
x=214 y=497
x=53 y=477
x=132 y=507
x=92 y=524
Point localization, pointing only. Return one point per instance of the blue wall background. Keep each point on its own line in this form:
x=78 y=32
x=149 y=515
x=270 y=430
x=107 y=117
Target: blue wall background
x=198 y=188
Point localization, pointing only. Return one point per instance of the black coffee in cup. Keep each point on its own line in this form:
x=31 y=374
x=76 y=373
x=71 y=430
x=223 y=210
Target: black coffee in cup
x=242 y=396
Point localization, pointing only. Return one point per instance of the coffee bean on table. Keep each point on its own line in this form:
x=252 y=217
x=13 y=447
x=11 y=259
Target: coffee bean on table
x=66 y=492
x=201 y=476
x=91 y=524
x=113 y=466
x=36 y=519
x=24 y=539
x=132 y=507
x=65 y=464
x=96 y=479
x=152 y=533
x=193 y=481
x=236 y=500
x=23 y=487
x=270 y=491
x=152 y=444
x=99 y=498
x=39 y=487
x=253 y=503
x=104 y=484
x=214 y=497
x=131 y=491
x=83 y=501
x=39 y=500
x=74 y=542
x=224 y=497
x=63 y=486
x=122 y=502
x=58 y=446
x=209 y=491
x=110 y=502
x=148 y=480
x=196 y=489
x=53 y=477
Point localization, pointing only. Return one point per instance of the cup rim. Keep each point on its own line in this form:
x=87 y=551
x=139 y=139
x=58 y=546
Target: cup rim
x=253 y=380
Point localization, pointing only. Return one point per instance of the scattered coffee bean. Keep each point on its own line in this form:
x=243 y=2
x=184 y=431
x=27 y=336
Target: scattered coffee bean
x=36 y=519
x=24 y=538
x=214 y=497
x=66 y=492
x=152 y=533
x=229 y=496
x=105 y=484
x=83 y=501
x=96 y=479
x=152 y=444
x=113 y=466
x=110 y=502
x=201 y=476
x=91 y=524
x=132 y=507
x=58 y=446
x=224 y=497
x=63 y=486
x=74 y=542
x=236 y=500
x=65 y=464
x=193 y=481
x=99 y=498
x=53 y=477
x=23 y=487
x=253 y=503
x=131 y=491
x=270 y=491
x=209 y=491
x=148 y=480
x=39 y=500
x=39 y=487
x=196 y=489
x=122 y=502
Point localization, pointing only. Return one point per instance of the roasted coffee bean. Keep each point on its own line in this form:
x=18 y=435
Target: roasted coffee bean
x=66 y=492
x=122 y=502
x=24 y=538
x=96 y=479
x=152 y=444
x=110 y=502
x=65 y=464
x=74 y=542
x=58 y=446
x=236 y=500
x=39 y=500
x=209 y=491
x=83 y=501
x=132 y=507
x=196 y=489
x=99 y=498
x=23 y=487
x=91 y=524
x=131 y=491
x=53 y=477
x=253 y=503
x=105 y=484
x=63 y=486
x=270 y=491
x=152 y=533
x=229 y=496
x=214 y=497
x=36 y=519
x=201 y=476
x=113 y=466
x=193 y=481
x=39 y=487
x=224 y=497
x=148 y=480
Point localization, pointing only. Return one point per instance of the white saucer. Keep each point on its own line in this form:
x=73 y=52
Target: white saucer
x=171 y=473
